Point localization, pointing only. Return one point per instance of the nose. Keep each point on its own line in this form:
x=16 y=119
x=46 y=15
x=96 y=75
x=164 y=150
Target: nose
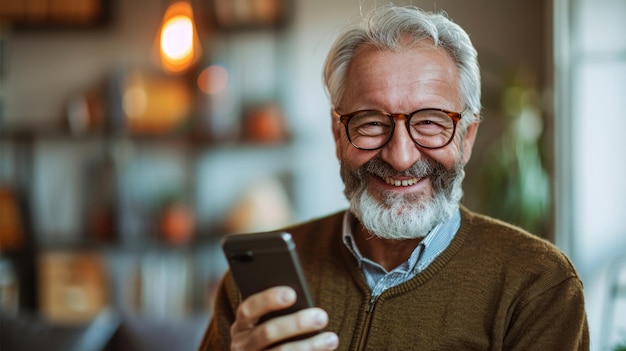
x=401 y=152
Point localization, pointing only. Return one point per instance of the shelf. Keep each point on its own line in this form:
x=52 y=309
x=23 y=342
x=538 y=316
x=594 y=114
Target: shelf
x=67 y=177
x=64 y=135
x=199 y=140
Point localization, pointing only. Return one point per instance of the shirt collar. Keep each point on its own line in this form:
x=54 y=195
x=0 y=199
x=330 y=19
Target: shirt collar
x=428 y=249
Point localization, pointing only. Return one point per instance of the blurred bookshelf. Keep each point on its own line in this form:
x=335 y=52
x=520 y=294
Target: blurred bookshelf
x=124 y=256
x=119 y=183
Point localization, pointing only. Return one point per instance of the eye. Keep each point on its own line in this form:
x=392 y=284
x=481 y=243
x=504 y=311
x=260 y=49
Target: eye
x=370 y=123
x=430 y=122
x=374 y=123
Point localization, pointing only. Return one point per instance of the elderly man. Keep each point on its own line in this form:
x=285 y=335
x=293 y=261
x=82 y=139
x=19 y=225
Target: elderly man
x=407 y=267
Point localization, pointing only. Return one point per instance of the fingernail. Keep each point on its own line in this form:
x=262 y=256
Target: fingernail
x=287 y=296
x=330 y=342
x=320 y=319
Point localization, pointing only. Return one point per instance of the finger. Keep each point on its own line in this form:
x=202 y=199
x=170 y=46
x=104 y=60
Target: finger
x=286 y=327
x=258 y=305
x=320 y=342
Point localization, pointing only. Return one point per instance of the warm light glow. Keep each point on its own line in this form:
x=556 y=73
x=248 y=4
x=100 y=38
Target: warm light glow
x=178 y=40
x=154 y=104
x=213 y=79
x=134 y=102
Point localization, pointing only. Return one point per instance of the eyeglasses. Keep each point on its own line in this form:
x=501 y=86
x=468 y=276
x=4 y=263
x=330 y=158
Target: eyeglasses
x=429 y=128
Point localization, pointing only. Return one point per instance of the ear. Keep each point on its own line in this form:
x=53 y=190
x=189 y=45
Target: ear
x=336 y=127
x=468 y=141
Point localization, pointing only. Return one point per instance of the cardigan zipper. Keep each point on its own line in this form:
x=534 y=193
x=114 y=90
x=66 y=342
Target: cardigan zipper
x=366 y=325
x=371 y=304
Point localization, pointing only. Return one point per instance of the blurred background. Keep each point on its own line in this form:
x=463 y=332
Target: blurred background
x=134 y=134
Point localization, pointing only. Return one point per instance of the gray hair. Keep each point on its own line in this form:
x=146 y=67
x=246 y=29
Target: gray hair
x=393 y=28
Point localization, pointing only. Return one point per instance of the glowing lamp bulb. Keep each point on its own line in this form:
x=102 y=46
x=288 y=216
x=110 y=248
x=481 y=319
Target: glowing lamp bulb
x=177 y=38
x=179 y=46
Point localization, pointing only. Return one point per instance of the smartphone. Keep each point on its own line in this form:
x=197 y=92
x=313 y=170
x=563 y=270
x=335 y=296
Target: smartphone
x=259 y=261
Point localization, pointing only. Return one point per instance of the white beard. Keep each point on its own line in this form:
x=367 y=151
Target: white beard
x=400 y=216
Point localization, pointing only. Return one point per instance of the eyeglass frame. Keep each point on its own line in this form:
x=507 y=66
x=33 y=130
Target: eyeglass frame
x=345 y=119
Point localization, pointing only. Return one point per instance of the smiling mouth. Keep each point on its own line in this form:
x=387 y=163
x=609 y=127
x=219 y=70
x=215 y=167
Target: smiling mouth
x=401 y=182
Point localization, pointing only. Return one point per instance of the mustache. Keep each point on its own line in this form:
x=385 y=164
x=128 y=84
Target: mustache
x=421 y=168
x=441 y=178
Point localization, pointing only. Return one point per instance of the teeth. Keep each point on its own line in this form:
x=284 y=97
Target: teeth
x=403 y=182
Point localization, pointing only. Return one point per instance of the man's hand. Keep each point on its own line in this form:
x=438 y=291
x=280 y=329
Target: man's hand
x=247 y=335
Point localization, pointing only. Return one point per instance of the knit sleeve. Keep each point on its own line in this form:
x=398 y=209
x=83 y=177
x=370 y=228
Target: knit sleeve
x=554 y=319
x=217 y=335
x=540 y=295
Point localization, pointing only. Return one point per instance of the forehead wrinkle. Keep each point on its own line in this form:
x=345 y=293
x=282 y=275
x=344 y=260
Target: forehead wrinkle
x=434 y=81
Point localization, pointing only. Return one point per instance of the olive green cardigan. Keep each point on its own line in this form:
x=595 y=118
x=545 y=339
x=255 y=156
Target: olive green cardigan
x=495 y=287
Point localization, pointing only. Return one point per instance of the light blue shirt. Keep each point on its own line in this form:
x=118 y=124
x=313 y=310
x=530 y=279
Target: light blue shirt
x=428 y=249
